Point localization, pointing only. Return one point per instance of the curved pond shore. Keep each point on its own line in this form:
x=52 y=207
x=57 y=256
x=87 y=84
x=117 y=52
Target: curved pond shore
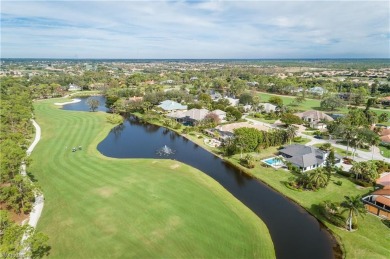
x=295 y=233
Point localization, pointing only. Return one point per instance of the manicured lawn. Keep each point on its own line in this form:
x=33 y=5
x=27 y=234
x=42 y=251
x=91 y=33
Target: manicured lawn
x=385 y=151
x=99 y=207
x=371 y=240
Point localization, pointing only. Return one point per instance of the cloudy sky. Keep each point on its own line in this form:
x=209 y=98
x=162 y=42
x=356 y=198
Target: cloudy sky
x=195 y=29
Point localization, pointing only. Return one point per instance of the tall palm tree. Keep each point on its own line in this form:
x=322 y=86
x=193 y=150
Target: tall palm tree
x=349 y=133
x=354 y=206
x=291 y=132
x=374 y=141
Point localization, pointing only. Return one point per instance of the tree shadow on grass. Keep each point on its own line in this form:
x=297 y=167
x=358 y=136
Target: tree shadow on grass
x=32 y=177
x=386 y=222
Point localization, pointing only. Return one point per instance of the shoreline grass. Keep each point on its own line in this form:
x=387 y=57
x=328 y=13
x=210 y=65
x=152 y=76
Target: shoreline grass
x=101 y=207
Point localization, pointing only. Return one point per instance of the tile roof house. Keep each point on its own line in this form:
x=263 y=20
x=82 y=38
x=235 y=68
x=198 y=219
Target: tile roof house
x=304 y=157
x=378 y=202
x=384 y=179
x=314 y=118
x=189 y=117
x=169 y=105
x=221 y=114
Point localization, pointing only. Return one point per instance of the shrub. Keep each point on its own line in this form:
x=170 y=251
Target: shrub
x=248 y=161
x=343 y=173
x=257 y=115
x=339 y=183
x=114 y=119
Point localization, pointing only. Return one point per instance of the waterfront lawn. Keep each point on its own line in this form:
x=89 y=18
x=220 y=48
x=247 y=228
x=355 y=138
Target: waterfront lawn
x=99 y=207
x=372 y=238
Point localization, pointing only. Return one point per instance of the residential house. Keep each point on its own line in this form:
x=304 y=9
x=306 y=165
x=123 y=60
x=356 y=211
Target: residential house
x=378 y=202
x=169 y=105
x=136 y=98
x=252 y=83
x=314 y=118
x=305 y=157
x=317 y=90
x=189 y=117
x=221 y=115
x=215 y=96
x=385 y=136
x=232 y=101
x=268 y=107
x=73 y=87
x=384 y=179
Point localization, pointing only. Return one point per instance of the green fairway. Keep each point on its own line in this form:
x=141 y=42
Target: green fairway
x=99 y=207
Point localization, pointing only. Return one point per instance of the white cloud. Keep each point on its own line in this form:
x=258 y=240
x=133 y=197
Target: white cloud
x=182 y=29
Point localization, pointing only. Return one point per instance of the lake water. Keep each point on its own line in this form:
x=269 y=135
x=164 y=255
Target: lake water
x=295 y=233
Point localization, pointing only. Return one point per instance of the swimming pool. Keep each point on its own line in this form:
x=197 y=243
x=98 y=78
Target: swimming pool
x=274 y=162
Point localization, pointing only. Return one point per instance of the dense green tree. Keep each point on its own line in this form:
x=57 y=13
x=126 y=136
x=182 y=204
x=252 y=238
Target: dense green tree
x=12 y=245
x=332 y=103
x=276 y=100
x=246 y=98
x=383 y=117
x=289 y=119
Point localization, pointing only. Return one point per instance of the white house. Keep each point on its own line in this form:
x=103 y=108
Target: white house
x=73 y=87
x=233 y=102
x=268 y=107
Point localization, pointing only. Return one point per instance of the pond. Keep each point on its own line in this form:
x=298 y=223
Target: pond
x=295 y=233
x=83 y=105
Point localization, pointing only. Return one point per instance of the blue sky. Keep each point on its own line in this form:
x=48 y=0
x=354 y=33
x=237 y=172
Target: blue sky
x=195 y=29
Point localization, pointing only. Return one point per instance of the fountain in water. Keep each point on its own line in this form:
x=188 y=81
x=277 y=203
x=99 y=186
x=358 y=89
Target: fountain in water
x=165 y=151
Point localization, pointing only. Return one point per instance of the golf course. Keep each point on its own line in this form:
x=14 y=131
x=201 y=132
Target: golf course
x=100 y=207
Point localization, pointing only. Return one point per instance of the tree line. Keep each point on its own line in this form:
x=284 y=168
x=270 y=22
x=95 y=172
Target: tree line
x=17 y=191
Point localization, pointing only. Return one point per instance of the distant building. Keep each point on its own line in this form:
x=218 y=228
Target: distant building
x=317 y=90
x=232 y=101
x=169 y=105
x=268 y=107
x=73 y=87
x=252 y=84
x=314 y=118
x=189 y=117
x=221 y=115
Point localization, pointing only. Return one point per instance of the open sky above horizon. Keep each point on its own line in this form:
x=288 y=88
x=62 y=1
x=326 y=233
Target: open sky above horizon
x=195 y=29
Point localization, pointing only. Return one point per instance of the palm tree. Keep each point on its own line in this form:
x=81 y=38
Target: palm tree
x=354 y=206
x=349 y=133
x=374 y=141
x=291 y=132
x=357 y=169
x=319 y=178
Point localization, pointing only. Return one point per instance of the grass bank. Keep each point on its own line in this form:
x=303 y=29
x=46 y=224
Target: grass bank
x=99 y=207
x=369 y=241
